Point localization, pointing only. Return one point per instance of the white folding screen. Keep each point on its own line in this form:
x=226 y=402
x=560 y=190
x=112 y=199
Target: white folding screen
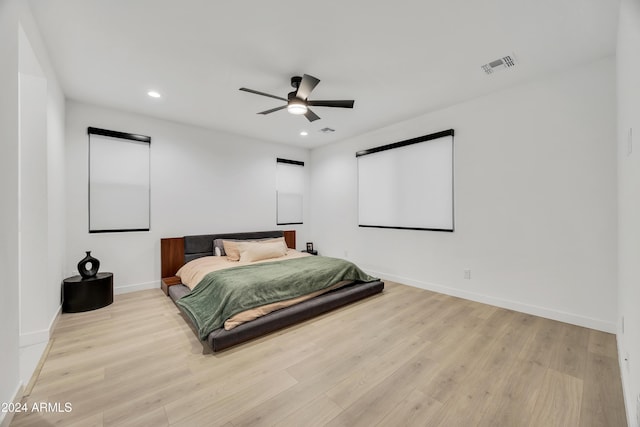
x=408 y=184
x=119 y=181
x=289 y=191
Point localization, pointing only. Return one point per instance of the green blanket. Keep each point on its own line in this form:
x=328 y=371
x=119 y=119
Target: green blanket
x=222 y=294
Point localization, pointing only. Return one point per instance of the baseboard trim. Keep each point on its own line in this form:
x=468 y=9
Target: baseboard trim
x=7 y=417
x=37 y=337
x=30 y=352
x=32 y=338
x=561 y=316
x=36 y=372
x=629 y=403
x=137 y=287
x=54 y=321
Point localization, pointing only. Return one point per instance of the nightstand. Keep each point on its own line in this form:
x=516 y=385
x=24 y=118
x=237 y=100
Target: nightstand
x=168 y=282
x=87 y=294
x=313 y=252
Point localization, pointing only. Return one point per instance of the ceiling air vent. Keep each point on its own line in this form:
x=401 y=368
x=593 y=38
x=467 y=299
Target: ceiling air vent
x=327 y=130
x=499 y=64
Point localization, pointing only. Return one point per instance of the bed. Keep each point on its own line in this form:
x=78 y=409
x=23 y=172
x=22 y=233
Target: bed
x=177 y=253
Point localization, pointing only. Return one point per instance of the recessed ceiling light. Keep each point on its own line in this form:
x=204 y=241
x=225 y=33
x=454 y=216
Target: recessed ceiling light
x=153 y=94
x=304 y=133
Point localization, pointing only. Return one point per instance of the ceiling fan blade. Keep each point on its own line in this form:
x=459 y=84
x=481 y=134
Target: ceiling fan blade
x=306 y=86
x=262 y=93
x=311 y=116
x=339 y=104
x=273 y=110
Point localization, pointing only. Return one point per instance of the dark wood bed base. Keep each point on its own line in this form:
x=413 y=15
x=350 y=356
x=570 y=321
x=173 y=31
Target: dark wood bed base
x=221 y=339
x=173 y=257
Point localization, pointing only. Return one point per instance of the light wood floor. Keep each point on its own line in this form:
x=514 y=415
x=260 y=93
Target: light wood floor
x=405 y=357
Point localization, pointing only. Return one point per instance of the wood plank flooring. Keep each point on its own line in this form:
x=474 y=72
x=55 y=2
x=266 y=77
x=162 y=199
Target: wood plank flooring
x=407 y=357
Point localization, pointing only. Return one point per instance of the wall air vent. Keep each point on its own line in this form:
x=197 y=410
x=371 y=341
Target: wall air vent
x=327 y=130
x=499 y=64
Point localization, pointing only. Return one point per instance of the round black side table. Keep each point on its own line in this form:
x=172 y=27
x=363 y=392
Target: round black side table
x=87 y=294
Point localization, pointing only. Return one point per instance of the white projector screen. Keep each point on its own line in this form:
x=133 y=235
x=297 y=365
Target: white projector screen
x=119 y=182
x=408 y=184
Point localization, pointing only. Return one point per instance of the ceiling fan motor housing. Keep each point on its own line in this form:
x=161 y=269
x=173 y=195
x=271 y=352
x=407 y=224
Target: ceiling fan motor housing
x=295 y=81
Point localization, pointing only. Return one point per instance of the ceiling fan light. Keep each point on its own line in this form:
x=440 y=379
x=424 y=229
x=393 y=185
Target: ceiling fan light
x=296 y=108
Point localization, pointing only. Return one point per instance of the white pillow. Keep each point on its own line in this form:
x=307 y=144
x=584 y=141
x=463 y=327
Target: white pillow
x=256 y=251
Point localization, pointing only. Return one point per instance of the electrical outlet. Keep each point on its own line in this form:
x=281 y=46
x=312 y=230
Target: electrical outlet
x=346 y=254
x=467 y=273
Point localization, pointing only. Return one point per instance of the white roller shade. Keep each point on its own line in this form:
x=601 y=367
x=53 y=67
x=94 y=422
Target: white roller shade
x=407 y=185
x=119 y=184
x=289 y=192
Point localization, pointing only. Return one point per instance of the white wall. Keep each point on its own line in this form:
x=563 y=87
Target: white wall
x=34 y=241
x=202 y=181
x=628 y=61
x=32 y=165
x=41 y=192
x=9 y=315
x=535 y=201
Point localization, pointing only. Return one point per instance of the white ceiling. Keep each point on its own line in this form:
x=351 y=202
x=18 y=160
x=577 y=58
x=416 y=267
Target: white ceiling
x=397 y=59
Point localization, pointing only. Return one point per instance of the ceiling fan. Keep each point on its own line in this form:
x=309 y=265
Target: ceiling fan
x=298 y=101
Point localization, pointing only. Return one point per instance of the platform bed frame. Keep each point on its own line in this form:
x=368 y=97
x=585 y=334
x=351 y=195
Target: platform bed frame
x=177 y=251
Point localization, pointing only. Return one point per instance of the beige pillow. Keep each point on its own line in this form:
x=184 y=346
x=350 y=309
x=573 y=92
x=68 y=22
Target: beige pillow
x=256 y=251
x=233 y=252
x=231 y=249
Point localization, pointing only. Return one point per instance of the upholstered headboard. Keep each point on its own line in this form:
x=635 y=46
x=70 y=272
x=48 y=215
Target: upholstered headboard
x=176 y=251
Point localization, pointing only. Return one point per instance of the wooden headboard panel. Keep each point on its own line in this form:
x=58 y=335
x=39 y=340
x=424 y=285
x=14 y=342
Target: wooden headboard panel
x=290 y=238
x=171 y=255
x=172 y=252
